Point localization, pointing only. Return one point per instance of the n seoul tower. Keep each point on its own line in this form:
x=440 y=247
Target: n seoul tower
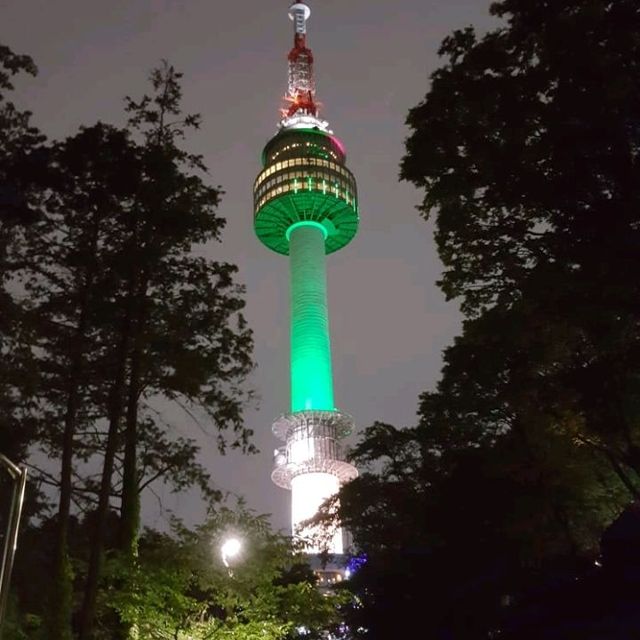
x=305 y=207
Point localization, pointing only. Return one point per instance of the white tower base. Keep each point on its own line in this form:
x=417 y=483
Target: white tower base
x=312 y=465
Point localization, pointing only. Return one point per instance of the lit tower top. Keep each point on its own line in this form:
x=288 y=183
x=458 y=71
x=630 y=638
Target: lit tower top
x=301 y=91
x=305 y=206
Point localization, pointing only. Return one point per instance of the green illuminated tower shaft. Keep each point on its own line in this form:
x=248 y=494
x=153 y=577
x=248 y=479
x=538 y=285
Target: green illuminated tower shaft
x=311 y=378
x=305 y=207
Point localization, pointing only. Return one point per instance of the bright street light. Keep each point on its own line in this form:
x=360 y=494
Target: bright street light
x=230 y=549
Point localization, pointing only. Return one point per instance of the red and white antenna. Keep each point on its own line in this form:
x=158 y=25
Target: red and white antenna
x=301 y=91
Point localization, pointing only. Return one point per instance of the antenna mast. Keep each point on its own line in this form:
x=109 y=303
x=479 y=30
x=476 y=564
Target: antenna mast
x=301 y=91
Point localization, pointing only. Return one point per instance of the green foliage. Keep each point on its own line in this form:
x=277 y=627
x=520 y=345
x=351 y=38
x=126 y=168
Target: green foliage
x=181 y=589
x=61 y=594
x=111 y=314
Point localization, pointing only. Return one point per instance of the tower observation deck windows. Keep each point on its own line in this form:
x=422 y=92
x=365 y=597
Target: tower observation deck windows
x=299 y=174
x=303 y=162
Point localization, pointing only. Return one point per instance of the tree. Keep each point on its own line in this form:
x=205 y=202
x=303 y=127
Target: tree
x=527 y=147
x=468 y=514
x=19 y=137
x=90 y=176
x=484 y=501
x=18 y=141
x=112 y=316
x=181 y=333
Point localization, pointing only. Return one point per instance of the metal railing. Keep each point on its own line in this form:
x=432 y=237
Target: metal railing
x=19 y=477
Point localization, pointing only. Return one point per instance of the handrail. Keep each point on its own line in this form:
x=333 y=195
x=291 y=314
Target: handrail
x=19 y=477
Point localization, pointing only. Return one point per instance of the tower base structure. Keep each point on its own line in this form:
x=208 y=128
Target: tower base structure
x=312 y=465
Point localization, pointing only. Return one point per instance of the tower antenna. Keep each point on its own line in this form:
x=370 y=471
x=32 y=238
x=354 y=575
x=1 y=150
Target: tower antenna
x=301 y=90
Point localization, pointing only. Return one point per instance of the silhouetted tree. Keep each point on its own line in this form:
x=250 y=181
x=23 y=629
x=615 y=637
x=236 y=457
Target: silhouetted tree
x=66 y=274
x=109 y=314
x=527 y=148
x=182 y=336
x=19 y=140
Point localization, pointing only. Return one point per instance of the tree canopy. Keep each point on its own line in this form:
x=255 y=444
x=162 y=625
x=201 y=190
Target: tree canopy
x=526 y=147
x=111 y=315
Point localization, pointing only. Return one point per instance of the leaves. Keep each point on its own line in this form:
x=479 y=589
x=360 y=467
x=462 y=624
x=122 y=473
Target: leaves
x=110 y=314
x=526 y=148
x=180 y=589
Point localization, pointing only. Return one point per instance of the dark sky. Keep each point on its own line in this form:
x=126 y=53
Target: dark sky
x=389 y=321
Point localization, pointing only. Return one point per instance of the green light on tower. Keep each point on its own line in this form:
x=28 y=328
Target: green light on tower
x=306 y=224
x=311 y=378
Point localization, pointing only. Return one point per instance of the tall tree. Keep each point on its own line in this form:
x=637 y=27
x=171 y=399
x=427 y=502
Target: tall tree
x=469 y=512
x=182 y=336
x=88 y=177
x=109 y=315
x=18 y=210
x=527 y=146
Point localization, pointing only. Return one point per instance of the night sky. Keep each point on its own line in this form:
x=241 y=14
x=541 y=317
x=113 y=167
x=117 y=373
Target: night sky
x=389 y=321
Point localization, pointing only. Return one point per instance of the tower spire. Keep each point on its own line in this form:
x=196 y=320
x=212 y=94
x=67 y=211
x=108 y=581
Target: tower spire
x=301 y=90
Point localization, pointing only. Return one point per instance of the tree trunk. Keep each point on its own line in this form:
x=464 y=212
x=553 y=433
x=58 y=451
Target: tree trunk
x=88 y=610
x=129 y=513
x=130 y=505
x=61 y=593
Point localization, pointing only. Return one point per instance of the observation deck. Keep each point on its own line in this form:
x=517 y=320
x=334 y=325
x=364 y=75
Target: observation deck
x=305 y=179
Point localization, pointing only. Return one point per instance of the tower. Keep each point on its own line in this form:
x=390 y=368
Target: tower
x=305 y=207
